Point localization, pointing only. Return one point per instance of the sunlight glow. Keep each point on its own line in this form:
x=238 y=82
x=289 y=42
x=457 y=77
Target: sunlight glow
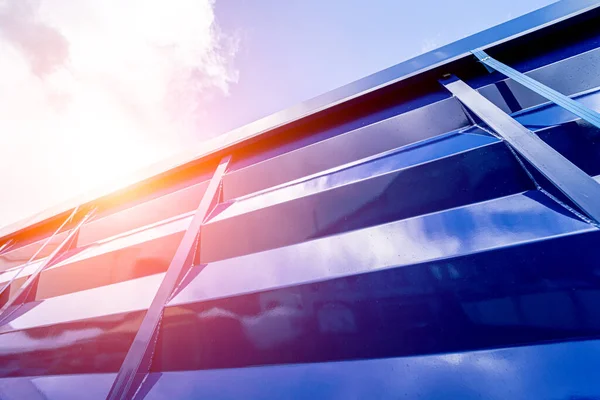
x=97 y=89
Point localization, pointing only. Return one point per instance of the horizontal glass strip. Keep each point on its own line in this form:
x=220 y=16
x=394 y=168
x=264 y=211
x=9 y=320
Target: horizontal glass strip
x=119 y=298
x=426 y=122
x=478 y=227
x=376 y=197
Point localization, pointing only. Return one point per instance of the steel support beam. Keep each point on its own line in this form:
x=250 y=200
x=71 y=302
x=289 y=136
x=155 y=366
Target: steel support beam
x=579 y=187
x=139 y=357
x=560 y=99
x=23 y=294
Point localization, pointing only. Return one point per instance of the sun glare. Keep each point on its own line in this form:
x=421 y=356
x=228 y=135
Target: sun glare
x=97 y=95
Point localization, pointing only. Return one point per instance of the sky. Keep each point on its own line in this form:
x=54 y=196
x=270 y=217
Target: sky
x=93 y=90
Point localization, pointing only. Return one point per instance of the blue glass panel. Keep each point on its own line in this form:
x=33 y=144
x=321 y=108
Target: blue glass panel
x=571 y=76
x=520 y=294
x=575 y=184
x=577 y=141
x=500 y=222
x=562 y=371
x=550 y=114
x=548 y=93
x=383 y=190
x=89 y=346
x=348 y=146
x=118 y=298
x=407 y=156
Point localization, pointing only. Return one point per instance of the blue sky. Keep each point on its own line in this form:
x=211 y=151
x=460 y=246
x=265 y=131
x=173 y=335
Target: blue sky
x=95 y=89
x=294 y=50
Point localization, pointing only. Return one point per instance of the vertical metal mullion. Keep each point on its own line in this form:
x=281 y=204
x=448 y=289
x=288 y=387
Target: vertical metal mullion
x=139 y=355
x=566 y=176
x=558 y=98
x=23 y=293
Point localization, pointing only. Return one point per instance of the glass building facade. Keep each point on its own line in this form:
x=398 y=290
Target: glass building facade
x=431 y=231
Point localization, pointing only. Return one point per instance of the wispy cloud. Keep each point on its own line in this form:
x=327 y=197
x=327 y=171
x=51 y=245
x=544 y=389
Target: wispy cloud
x=43 y=46
x=431 y=43
x=94 y=88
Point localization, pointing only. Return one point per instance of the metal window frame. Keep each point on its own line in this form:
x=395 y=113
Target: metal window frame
x=557 y=98
x=38 y=251
x=23 y=295
x=578 y=186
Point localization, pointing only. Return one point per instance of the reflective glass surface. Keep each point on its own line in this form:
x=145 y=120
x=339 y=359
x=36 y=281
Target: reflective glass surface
x=118 y=298
x=389 y=248
x=153 y=211
x=480 y=300
x=503 y=222
x=17 y=255
x=577 y=141
x=146 y=252
x=561 y=371
x=135 y=254
x=87 y=346
x=365 y=195
x=570 y=76
x=351 y=145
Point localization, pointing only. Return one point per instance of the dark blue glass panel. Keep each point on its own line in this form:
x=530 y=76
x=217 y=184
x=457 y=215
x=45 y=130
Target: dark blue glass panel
x=350 y=144
x=373 y=198
x=514 y=295
x=501 y=222
x=573 y=138
x=408 y=156
x=562 y=371
x=88 y=346
x=577 y=141
x=361 y=115
x=549 y=114
x=571 y=76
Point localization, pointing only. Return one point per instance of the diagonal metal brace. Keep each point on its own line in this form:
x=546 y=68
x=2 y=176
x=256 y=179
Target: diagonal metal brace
x=8 y=284
x=139 y=357
x=578 y=186
x=23 y=294
x=587 y=114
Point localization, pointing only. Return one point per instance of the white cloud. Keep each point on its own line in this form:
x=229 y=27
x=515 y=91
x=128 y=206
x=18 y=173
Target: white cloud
x=93 y=89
